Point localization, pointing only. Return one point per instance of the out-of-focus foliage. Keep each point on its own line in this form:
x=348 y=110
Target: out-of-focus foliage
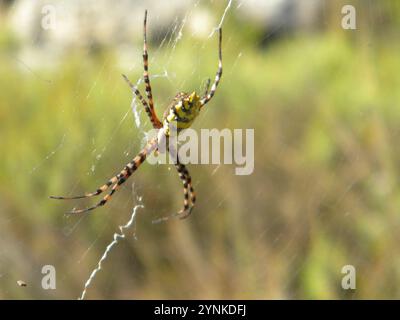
x=325 y=191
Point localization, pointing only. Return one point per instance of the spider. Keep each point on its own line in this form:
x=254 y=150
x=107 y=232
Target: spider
x=183 y=110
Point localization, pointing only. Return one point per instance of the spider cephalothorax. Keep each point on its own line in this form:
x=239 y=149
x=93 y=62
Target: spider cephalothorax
x=181 y=113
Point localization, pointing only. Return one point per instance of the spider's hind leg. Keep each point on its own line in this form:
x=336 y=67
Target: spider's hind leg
x=189 y=196
x=129 y=169
x=101 y=189
x=118 y=180
x=188 y=191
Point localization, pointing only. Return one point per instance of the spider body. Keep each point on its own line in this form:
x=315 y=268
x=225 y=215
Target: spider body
x=181 y=113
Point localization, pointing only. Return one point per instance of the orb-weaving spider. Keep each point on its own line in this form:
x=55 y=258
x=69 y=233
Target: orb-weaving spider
x=182 y=111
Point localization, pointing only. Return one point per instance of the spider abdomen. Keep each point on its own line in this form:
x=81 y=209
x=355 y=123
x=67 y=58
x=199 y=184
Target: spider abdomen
x=182 y=112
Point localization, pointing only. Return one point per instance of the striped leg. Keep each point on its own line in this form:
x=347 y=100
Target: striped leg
x=207 y=87
x=118 y=180
x=105 y=199
x=188 y=192
x=101 y=189
x=150 y=111
x=130 y=168
x=218 y=76
x=146 y=67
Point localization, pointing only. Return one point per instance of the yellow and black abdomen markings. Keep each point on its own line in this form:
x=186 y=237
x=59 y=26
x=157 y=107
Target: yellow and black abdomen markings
x=182 y=117
x=182 y=112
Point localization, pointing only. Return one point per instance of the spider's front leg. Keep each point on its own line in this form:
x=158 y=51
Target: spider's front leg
x=209 y=94
x=146 y=65
x=149 y=107
x=150 y=111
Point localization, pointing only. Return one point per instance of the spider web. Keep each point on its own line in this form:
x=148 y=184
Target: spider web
x=284 y=223
x=170 y=39
x=183 y=26
x=32 y=65
x=135 y=107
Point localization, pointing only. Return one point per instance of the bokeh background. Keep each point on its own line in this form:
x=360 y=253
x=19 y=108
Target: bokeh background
x=325 y=106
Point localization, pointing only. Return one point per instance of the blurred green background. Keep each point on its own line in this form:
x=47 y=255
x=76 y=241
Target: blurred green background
x=324 y=103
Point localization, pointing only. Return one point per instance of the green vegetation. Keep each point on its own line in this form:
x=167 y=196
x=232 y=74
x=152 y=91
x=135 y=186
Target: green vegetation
x=325 y=192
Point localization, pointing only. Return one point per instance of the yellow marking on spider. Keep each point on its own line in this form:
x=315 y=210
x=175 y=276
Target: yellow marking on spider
x=181 y=113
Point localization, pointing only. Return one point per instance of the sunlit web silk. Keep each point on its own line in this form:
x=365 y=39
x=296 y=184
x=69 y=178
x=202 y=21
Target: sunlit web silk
x=136 y=109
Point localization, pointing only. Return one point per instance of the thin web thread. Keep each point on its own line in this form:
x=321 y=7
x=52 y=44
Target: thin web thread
x=136 y=114
x=222 y=18
x=117 y=237
x=121 y=235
